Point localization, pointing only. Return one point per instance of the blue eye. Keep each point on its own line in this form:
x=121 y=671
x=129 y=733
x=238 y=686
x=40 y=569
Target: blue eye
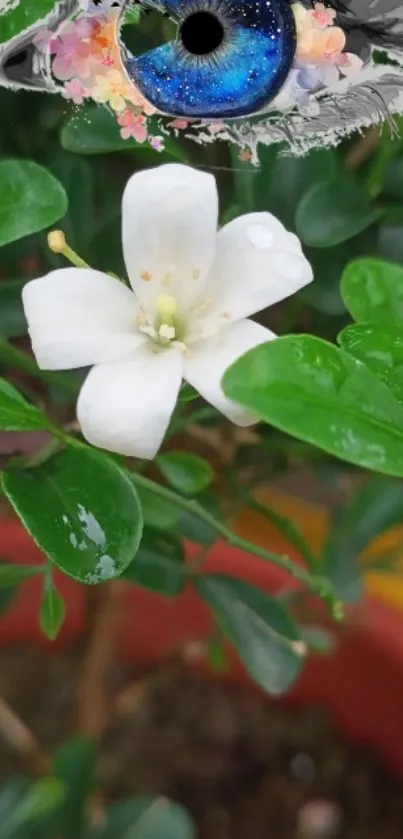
x=230 y=58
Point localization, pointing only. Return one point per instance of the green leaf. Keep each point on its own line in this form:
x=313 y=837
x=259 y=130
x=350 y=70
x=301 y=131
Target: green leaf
x=288 y=179
x=374 y=508
x=158 y=514
x=187 y=393
x=187 y=473
x=77 y=177
x=196 y=530
x=39 y=801
x=81 y=510
x=52 y=612
x=261 y=630
x=328 y=265
x=31 y=199
x=75 y=766
x=319 y=394
x=17 y=16
x=381 y=349
x=12 y=575
x=145 y=817
x=159 y=564
x=334 y=211
x=10 y=578
x=16 y=414
x=12 y=793
x=318 y=640
x=12 y=318
x=373 y=291
x=217 y=656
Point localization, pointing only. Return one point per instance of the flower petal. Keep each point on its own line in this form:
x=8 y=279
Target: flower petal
x=78 y=317
x=169 y=231
x=206 y=367
x=257 y=264
x=126 y=406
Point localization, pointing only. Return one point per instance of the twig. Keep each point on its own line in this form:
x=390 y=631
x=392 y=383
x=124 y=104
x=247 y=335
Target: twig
x=19 y=737
x=93 y=702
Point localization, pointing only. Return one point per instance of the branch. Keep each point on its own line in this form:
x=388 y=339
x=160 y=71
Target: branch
x=19 y=737
x=93 y=700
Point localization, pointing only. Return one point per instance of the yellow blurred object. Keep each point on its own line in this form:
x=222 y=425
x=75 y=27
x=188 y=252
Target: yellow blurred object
x=313 y=522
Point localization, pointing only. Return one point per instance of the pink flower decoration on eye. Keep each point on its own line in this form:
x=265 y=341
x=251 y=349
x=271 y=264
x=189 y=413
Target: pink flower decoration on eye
x=74 y=91
x=349 y=64
x=132 y=125
x=73 y=57
x=179 y=123
x=157 y=143
x=322 y=15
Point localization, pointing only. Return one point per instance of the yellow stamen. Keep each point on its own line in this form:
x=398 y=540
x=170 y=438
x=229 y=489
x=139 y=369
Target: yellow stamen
x=166 y=306
x=56 y=241
x=57 y=244
x=167 y=332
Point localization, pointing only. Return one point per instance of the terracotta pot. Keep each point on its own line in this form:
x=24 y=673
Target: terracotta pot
x=361 y=683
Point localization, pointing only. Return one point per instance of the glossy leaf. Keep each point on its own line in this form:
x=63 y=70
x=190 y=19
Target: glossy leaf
x=187 y=473
x=261 y=630
x=75 y=766
x=319 y=394
x=380 y=348
x=159 y=564
x=31 y=199
x=145 y=817
x=16 y=414
x=374 y=508
x=334 y=211
x=373 y=292
x=52 y=611
x=12 y=318
x=81 y=510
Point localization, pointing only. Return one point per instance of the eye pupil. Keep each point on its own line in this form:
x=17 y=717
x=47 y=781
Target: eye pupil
x=201 y=33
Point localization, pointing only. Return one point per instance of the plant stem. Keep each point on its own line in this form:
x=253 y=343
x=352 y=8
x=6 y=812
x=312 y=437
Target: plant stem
x=317 y=584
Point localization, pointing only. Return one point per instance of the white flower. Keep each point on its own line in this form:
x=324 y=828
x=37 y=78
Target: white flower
x=185 y=316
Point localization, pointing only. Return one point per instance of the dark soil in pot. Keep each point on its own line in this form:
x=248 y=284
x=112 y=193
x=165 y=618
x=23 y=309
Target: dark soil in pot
x=246 y=768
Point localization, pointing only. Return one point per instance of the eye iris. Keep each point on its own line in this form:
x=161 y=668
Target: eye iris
x=229 y=59
x=201 y=33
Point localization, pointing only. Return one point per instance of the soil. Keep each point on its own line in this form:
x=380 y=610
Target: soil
x=245 y=767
